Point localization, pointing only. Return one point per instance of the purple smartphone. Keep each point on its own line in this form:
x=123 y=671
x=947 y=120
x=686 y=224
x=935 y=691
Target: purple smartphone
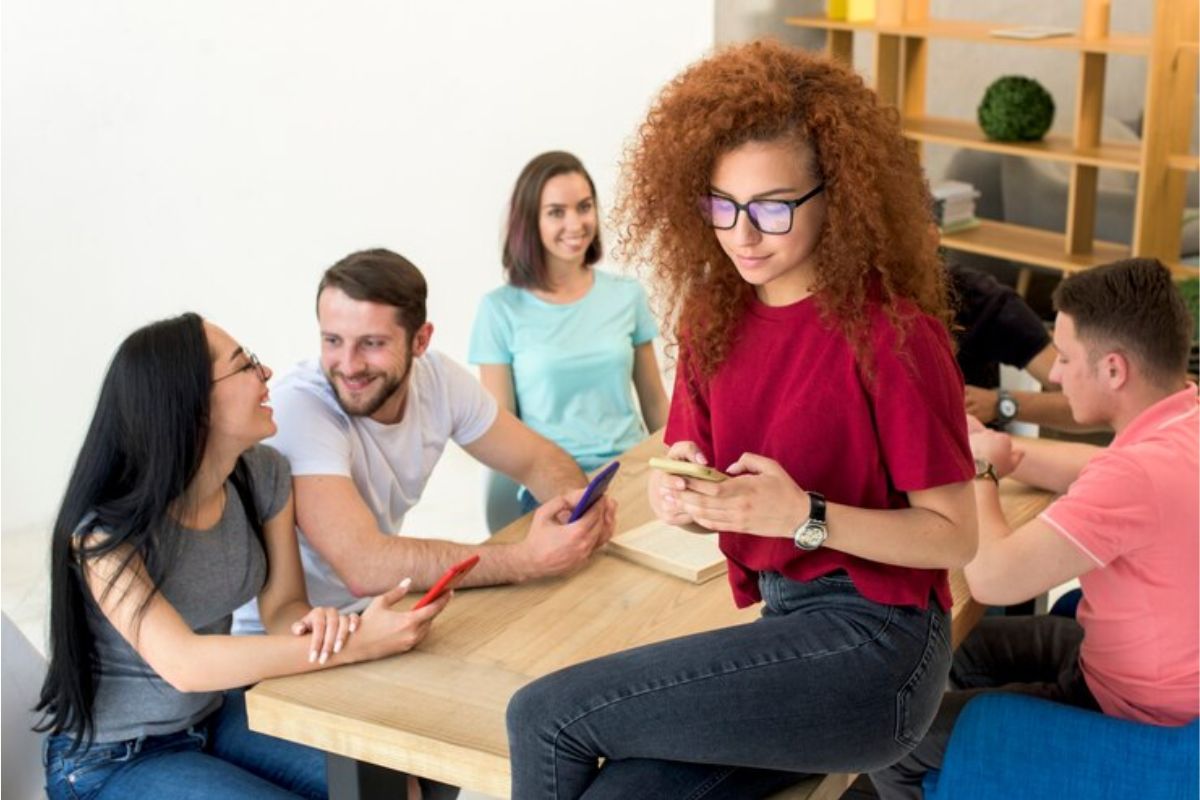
x=594 y=490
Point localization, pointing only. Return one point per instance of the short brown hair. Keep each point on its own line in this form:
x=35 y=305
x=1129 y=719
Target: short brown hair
x=381 y=276
x=523 y=257
x=1135 y=306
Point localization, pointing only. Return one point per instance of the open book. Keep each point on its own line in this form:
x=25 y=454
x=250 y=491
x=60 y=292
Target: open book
x=692 y=556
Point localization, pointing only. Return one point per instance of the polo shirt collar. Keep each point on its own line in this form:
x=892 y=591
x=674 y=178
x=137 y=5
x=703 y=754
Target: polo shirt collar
x=1166 y=411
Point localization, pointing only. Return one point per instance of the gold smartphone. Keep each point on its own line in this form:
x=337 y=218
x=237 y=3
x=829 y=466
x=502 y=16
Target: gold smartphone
x=688 y=469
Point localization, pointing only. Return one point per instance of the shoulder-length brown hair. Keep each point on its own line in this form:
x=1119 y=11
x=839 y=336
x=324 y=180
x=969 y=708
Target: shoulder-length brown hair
x=878 y=240
x=524 y=257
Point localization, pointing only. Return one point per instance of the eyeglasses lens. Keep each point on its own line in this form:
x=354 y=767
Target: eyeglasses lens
x=721 y=212
x=770 y=216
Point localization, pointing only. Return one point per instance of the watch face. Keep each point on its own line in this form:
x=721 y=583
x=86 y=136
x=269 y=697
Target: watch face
x=811 y=536
x=1007 y=408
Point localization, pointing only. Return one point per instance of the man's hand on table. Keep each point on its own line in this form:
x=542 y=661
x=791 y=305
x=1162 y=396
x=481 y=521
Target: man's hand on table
x=555 y=547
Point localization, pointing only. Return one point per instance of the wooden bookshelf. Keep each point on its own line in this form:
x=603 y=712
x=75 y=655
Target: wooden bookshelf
x=1054 y=147
x=1160 y=159
x=1122 y=44
x=1037 y=247
x=1184 y=163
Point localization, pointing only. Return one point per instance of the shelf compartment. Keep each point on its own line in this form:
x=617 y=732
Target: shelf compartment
x=1030 y=246
x=1054 y=147
x=1125 y=44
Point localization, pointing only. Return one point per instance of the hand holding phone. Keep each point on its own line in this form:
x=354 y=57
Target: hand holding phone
x=450 y=578
x=594 y=491
x=688 y=469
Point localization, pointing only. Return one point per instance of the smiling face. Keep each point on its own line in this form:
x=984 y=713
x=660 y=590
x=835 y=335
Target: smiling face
x=780 y=267
x=566 y=220
x=366 y=355
x=239 y=410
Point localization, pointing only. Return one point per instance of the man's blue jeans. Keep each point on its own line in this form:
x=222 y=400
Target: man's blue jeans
x=220 y=757
x=824 y=681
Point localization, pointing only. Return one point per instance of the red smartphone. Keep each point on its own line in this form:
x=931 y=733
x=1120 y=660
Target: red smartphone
x=450 y=578
x=594 y=491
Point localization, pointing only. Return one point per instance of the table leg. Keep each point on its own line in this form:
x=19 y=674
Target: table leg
x=357 y=780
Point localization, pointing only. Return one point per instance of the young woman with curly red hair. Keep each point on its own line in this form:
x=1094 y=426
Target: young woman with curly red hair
x=787 y=218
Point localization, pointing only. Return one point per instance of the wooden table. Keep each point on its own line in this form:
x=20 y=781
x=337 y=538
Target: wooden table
x=438 y=711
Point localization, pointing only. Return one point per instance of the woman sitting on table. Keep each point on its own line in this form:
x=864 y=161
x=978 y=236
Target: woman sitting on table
x=787 y=218
x=557 y=346
x=173 y=517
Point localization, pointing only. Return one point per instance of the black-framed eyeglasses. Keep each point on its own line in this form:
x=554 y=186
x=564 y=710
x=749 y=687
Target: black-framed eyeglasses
x=252 y=363
x=768 y=216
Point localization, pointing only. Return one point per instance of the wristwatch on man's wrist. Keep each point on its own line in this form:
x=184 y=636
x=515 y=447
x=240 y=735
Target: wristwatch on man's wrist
x=813 y=532
x=986 y=469
x=1006 y=407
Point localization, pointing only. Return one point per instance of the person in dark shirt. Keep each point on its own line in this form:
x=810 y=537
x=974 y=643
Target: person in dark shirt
x=995 y=326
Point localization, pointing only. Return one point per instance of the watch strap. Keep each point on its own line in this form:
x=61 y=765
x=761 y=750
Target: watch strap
x=816 y=507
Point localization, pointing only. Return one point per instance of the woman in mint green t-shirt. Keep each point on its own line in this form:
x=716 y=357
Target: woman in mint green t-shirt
x=562 y=342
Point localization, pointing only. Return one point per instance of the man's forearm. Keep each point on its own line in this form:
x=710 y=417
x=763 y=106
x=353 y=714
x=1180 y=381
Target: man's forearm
x=1050 y=464
x=1046 y=408
x=424 y=560
x=552 y=473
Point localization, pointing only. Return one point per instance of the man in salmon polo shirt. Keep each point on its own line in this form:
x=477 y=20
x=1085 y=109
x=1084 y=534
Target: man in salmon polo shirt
x=1127 y=525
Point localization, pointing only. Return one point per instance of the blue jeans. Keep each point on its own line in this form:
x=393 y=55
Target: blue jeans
x=1037 y=656
x=824 y=681
x=219 y=757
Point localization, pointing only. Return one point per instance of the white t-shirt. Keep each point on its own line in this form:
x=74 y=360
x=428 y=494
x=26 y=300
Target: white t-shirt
x=390 y=464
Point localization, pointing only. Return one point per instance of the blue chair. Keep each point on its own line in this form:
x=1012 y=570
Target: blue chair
x=1006 y=746
x=1068 y=604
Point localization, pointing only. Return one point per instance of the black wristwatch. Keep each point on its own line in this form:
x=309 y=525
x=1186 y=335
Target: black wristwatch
x=1006 y=407
x=813 y=532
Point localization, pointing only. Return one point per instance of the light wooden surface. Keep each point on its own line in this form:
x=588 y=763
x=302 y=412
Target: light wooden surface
x=965 y=30
x=1054 y=147
x=439 y=711
x=1035 y=246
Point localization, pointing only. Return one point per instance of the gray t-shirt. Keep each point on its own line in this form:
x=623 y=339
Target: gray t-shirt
x=216 y=571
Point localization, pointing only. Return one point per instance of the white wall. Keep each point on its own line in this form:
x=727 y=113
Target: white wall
x=160 y=156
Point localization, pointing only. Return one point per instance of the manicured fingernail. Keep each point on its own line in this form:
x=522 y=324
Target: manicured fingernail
x=312 y=656
x=407 y=582
x=337 y=647
x=324 y=657
x=700 y=459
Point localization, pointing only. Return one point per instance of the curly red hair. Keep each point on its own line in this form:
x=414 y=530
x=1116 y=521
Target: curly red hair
x=878 y=239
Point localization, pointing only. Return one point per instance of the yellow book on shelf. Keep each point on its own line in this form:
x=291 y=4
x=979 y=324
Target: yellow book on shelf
x=860 y=10
x=694 y=557
x=835 y=9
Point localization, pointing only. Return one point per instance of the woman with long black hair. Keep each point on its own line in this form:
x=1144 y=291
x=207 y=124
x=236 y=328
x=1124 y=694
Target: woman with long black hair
x=174 y=516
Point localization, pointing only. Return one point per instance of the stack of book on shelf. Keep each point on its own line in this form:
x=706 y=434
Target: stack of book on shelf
x=954 y=206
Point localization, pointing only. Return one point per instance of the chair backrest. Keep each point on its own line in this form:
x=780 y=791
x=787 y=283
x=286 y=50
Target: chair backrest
x=21 y=673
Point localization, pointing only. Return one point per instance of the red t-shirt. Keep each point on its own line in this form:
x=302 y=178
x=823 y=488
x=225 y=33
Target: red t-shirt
x=792 y=389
